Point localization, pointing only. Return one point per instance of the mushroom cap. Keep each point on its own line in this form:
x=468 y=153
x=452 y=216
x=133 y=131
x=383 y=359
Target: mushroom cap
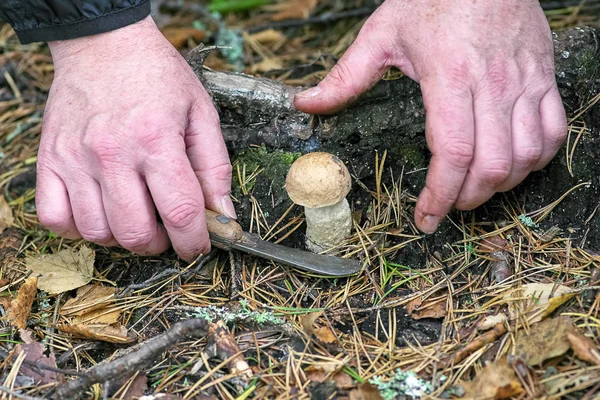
x=318 y=180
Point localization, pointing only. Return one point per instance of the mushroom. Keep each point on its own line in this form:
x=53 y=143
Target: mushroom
x=320 y=182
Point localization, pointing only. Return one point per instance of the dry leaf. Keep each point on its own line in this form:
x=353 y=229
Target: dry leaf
x=537 y=300
x=584 y=348
x=5 y=302
x=114 y=333
x=292 y=9
x=491 y=321
x=547 y=339
x=20 y=307
x=316 y=374
x=6 y=215
x=267 y=64
x=128 y=386
x=365 y=391
x=63 y=271
x=325 y=335
x=343 y=380
x=88 y=298
x=417 y=310
x=495 y=381
x=179 y=37
x=307 y=321
x=34 y=352
x=267 y=36
x=92 y=305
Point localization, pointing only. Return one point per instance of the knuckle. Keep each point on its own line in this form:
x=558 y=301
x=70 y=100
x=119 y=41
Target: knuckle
x=183 y=215
x=495 y=173
x=136 y=241
x=222 y=171
x=528 y=156
x=458 y=153
x=458 y=75
x=342 y=75
x=53 y=221
x=99 y=236
x=104 y=149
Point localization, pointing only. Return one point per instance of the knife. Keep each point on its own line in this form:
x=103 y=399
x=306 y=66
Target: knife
x=226 y=233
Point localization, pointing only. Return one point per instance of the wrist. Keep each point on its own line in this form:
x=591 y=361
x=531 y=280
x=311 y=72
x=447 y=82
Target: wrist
x=103 y=45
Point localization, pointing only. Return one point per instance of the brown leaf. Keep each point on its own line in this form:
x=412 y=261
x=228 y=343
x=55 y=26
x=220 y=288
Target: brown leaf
x=92 y=305
x=547 y=339
x=267 y=64
x=584 y=348
x=5 y=302
x=267 y=36
x=307 y=321
x=495 y=381
x=6 y=215
x=343 y=380
x=179 y=37
x=34 y=352
x=325 y=335
x=63 y=271
x=292 y=9
x=114 y=333
x=20 y=307
x=316 y=374
x=434 y=309
x=128 y=387
x=365 y=391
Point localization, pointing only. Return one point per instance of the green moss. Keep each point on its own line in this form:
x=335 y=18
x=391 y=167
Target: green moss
x=411 y=155
x=273 y=166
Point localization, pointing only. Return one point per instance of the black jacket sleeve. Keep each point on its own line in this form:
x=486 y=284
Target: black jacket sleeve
x=50 y=20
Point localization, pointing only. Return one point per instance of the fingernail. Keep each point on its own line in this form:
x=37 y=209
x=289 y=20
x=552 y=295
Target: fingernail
x=430 y=223
x=227 y=207
x=310 y=92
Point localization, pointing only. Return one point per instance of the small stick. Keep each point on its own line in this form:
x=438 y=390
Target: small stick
x=479 y=342
x=134 y=361
x=221 y=343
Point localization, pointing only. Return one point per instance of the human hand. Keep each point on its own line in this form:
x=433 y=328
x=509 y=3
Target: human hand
x=128 y=131
x=486 y=70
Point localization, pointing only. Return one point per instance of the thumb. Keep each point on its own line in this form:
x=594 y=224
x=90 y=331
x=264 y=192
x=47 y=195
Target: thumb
x=209 y=158
x=359 y=69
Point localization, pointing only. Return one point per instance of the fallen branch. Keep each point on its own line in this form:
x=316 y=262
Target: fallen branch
x=134 y=361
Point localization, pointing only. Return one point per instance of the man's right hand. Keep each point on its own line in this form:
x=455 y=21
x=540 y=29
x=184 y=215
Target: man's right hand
x=128 y=131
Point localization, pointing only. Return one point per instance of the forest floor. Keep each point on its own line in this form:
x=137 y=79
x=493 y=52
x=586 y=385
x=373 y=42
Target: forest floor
x=507 y=310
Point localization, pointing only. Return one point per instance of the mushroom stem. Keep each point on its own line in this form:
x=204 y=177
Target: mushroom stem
x=328 y=226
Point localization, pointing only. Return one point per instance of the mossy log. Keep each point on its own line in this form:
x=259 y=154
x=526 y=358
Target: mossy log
x=391 y=117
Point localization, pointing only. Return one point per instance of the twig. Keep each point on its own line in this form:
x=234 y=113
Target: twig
x=479 y=342
x=201 y=261
x=134 y=361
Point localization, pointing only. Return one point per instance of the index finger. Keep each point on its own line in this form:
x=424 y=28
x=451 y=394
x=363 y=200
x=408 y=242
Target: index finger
x=451 y=139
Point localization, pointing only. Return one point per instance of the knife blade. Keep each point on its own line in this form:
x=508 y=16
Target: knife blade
x=227 y=234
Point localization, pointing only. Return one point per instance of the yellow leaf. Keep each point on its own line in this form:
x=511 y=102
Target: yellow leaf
x=63 y=271
x=292 y=9
x=115 y=333
x=178 y=37
x=537 y=300
x=20 y=307
x=267 y=64
x=6 y=216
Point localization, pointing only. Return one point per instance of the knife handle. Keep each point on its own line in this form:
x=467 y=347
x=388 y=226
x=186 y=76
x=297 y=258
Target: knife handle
x=223 y=230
